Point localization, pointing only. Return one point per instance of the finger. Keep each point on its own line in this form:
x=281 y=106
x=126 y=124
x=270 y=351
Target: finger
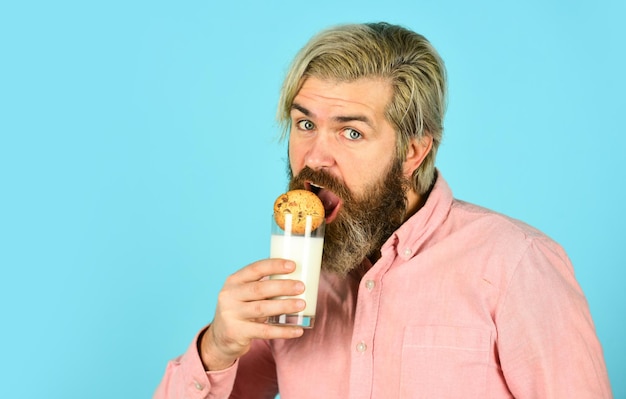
x=265 y=289
x=261 y=310
x=269 y=331
x=260 y=269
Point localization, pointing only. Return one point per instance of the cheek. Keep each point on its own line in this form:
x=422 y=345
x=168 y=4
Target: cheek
x=295 y=159
x=367 y=174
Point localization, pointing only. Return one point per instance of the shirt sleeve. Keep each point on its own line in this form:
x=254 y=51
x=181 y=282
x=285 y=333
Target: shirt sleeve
x=547 y=342
x=256 y=373
x=185 y=378
x=251 y=376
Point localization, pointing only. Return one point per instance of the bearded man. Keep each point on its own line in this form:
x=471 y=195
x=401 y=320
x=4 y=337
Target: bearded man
x=421 y=295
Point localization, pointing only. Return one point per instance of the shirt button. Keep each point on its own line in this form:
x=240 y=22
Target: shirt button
x=407 y=252
x=361 y=347
x=370 y=284
x=198 y=386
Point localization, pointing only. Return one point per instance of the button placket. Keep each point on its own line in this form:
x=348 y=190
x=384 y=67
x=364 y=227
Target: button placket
x=366 y=318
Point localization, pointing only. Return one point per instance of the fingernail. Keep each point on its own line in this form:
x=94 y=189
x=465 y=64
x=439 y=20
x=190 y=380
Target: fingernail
x=301 y=305
x=299 y=286
x=289 y=265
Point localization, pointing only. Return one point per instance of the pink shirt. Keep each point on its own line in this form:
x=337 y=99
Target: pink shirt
x=464 y=303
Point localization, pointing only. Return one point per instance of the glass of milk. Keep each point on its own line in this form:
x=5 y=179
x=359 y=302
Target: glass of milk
x=306 y=250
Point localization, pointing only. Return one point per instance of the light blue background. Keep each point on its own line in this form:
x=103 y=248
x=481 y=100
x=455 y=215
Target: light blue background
x=137 y=140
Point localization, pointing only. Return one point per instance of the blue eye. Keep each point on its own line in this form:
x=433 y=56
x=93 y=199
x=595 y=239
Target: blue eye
x=352 y=134
x=306 y=125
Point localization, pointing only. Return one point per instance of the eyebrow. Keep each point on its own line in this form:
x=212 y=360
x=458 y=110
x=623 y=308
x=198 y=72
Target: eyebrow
x=341 y=118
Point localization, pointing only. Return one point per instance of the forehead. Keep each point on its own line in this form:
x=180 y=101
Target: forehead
x=370 y=96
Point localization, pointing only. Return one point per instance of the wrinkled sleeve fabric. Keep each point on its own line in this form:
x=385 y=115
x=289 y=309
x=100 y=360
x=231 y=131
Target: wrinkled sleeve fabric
x=251 y=376
x=185 y=378
x=256 y=374
x=546 y=337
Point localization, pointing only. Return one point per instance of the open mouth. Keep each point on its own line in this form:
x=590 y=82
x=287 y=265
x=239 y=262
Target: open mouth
x=332 y=203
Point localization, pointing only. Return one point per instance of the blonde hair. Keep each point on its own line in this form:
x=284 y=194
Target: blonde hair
x=404 y=58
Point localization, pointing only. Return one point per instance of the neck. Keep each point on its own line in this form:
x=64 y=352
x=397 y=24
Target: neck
x=415 y=202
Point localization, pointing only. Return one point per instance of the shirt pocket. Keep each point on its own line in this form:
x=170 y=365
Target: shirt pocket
x=444 y=362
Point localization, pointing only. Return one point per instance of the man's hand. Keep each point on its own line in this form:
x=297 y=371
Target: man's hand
x=243 y=306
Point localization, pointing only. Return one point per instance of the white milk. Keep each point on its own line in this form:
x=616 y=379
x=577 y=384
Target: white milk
x=307 y=253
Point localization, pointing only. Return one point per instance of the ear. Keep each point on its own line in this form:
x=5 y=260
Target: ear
x=418 y=149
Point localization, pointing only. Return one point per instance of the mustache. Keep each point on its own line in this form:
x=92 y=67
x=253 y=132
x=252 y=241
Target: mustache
x=323 y=179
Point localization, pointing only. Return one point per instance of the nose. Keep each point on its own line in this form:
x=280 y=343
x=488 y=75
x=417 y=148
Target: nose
x=319 y=154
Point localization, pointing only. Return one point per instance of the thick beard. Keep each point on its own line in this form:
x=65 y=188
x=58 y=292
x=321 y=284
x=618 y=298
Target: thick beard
x=364 y=222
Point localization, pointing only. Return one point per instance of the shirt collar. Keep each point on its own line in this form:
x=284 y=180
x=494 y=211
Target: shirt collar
x=409 y=237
